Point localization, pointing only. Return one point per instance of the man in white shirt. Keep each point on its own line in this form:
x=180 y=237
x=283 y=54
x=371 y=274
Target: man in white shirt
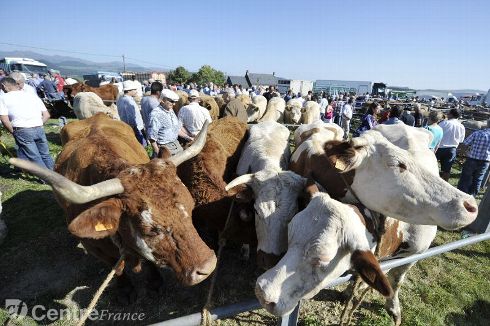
x=19 y=78
x=452 y=135
x=193 y=116
x=129 y=111
x=346 y=114
x=323 y=106
x=23 y=114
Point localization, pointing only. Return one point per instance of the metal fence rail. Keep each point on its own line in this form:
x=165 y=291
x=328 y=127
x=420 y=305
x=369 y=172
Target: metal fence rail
x=291 y=319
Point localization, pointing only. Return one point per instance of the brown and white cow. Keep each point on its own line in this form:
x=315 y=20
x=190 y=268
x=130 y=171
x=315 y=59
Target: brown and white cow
x=386 y=178
x=327 y=239
x=107 y=92
x=117 y=201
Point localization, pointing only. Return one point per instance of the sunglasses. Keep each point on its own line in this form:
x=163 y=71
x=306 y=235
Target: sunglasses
x=170 y=101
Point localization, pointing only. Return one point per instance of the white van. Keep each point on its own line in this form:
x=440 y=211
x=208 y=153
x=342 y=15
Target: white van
x=26 y=66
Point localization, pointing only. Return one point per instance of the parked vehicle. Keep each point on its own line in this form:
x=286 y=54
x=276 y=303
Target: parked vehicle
x=26 y=66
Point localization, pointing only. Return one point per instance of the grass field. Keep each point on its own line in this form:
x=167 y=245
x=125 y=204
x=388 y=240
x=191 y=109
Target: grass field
x=41 y=265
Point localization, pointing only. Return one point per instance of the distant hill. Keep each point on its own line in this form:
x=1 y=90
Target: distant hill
x=72 y=66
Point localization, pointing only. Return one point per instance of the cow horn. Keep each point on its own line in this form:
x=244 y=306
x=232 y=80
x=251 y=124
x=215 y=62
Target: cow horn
x=194 y=149
x=69 y=190
x=243 y=179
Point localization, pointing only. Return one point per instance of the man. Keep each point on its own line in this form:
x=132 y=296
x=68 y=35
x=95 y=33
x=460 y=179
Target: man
x=393 y=116
x=139 y=87
x=268 y=93
x=23 y=115
x=48 y=87
x=165 y=128
x=452 y=135
x=129 y=111
x=288 y=96
x=193 y=116
x=407 y=118
x=346 y=114
x=477 y=161
x=150 y=102
x=20 y=80
x=323 y=106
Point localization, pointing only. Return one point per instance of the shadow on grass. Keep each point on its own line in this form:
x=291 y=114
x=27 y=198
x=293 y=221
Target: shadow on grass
x=477 y=314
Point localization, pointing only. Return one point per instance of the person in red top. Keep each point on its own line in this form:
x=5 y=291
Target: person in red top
x=60 y=82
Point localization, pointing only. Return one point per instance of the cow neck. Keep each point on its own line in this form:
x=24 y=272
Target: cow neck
x=378 y=227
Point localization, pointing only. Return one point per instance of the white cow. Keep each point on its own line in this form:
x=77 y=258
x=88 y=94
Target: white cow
x=292 y=114
x=310 y=112
x=387 y=178
x=87 y=104
x=328 y=131
x=275 y=191
x=258 y=109
x=275 y=110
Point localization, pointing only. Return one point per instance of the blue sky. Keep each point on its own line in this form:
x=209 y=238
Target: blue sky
x=420 y=44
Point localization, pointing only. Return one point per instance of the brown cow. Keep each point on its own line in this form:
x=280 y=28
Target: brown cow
x=208 y=173
x=117 y=201
x=107 y=92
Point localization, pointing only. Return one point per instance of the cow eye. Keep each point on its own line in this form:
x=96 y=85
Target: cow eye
x=155 y=230
x=402 y=167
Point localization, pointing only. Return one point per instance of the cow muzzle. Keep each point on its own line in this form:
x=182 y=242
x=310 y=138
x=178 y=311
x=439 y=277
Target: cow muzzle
x=200 y=273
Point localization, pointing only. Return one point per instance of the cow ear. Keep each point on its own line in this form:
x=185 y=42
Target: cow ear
x=368 y=268
x=288 y=108
x=342 y=156
x=242 y=193
x=99 y=221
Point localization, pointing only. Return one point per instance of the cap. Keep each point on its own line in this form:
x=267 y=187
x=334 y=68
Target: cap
x=171 y=95
x=128 y=85
x=193 y=93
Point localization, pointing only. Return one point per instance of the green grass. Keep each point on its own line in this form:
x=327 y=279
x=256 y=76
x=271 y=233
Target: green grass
x=40 y=263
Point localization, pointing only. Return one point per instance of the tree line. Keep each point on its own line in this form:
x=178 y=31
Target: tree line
x=205 y=75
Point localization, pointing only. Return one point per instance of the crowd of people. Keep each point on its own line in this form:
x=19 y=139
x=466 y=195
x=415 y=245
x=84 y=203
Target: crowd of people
x=155 y=123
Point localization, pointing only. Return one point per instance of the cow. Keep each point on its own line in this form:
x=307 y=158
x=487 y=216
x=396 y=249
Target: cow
x=209 y=103
x=183 y=100
x=87 y=104
x=118 y=202
x=206 y=176
x=275 y=110
x=256 y=111
x=386 y=178
x=292 y=114
x=327 y=131
x=108 y=92
x=327 y=239
x=310 y=112
x=272 y=190
x=334 y=233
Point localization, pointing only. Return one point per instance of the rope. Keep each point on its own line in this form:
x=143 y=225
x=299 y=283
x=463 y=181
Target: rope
x=99 y=292
x=206 y=318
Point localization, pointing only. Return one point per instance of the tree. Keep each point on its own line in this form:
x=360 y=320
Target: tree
x=208 y=74
x=180 y=76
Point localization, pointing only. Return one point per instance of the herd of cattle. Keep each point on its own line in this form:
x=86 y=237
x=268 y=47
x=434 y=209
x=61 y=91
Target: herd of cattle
x=87 y=101
x=308 y=212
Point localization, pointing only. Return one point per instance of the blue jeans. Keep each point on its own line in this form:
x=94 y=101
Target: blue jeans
x=32 y=145
x=472 y=176
x=446 y=156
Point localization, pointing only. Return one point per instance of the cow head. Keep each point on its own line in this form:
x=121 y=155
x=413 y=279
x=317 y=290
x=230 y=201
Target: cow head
x=293 y=112
x=324 y=241
x=390 y=180
x=146 y=210
x=275 y=194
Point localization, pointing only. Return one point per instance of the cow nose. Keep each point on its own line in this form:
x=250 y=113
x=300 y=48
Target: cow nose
x=470 y=206
x=200 y=273
x=267 y=303
x=266 y=260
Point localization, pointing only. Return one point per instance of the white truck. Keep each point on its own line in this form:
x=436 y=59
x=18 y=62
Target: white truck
x=26 y=66
x=296 y=86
